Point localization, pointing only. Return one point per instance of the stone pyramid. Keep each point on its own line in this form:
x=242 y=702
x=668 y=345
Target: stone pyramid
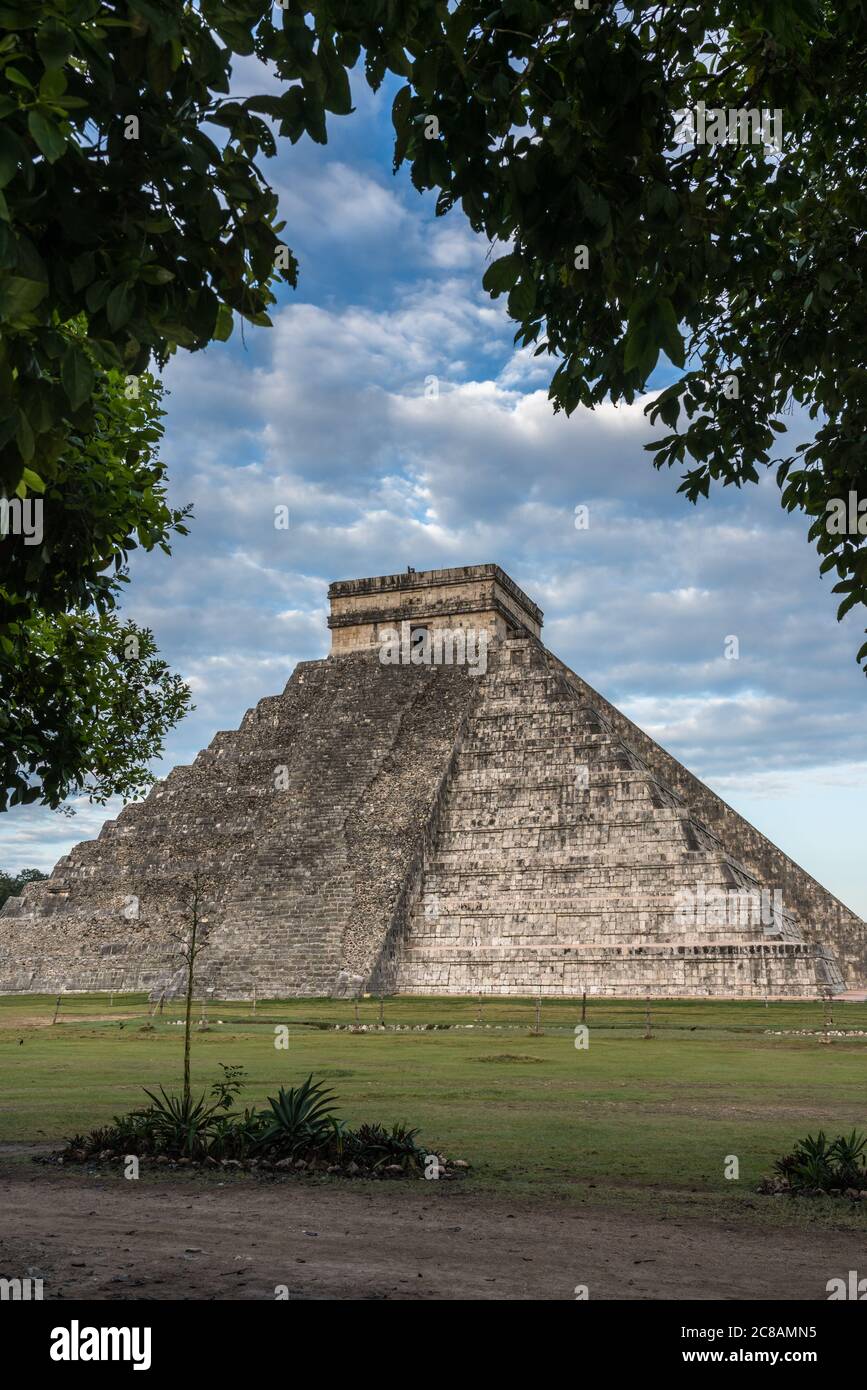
x=440 y=806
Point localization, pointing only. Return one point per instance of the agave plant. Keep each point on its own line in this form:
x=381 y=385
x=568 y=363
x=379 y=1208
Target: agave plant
x=849 y=1157
x=784 y=1167
x=132 y=1133
x=820 y=1162
x=99 y=1139
x=814 y=1163
x=180 y=1124
x=813 y=1171
x=301 y=1119
x=375 y=1146
x=820 y=1148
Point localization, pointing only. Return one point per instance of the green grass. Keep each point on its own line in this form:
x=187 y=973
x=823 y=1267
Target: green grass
x=640 y=1122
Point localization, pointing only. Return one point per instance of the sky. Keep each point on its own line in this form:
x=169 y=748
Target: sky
x=388 y=409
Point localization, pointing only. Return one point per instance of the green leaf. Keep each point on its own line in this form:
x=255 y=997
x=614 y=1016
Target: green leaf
x=47 y=136
x=338 y=96
x=502 y=274
x=119 y=306
x=33 y=480
x=260 y=318
x=635 y=345
x=211 y=216
x=54 y=43
x=25 y=441
x=666 y=321
x=8 y=246
x=82 y=270
x=225 y=323
x=522 y=299
x=424 y=73
x=96 y=295
x=847 y=603
x=19 y=296
x=8 y=426
x=596 y=208
x=314 y=117
x=76 y=376
x=401 y=109
x=292 y=112
x=176 y=333
x=18 y=78
x=152 y=275
x=52 y=84
x=12 y=154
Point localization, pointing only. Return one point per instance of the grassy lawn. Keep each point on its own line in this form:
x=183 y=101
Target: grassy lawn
x=640 y=1122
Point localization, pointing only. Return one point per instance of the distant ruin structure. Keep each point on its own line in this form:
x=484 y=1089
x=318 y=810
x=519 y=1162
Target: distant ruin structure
x=438 y=807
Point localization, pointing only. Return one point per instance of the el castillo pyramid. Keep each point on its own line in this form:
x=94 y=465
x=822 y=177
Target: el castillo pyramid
x=465 y=816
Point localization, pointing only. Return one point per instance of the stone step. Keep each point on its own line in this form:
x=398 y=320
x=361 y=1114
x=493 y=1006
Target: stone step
x=572 y=832
x=573 y=879
x=543 y=784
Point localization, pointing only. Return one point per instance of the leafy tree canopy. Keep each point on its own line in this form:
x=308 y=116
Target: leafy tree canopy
x=86 y=701
x=131 y=202
x=11 y=884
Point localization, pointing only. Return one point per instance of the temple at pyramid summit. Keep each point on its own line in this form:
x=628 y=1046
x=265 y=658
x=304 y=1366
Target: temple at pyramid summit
x=440 y=806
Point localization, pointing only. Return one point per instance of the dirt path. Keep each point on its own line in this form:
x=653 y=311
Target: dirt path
x=105 y=1238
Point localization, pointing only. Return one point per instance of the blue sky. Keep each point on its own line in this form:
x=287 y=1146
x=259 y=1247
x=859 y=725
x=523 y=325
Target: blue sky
x=327 y=414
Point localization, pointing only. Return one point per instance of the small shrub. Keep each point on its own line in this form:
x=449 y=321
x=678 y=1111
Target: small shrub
x=850 y=1159
x=235 y=1136
x=825 y=1165
x=374 y=1146
x=180 y=1124
x=299 y=1123
x=226 y=1091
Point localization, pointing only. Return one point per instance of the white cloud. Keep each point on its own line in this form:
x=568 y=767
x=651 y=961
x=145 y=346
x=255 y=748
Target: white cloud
x=341 y=203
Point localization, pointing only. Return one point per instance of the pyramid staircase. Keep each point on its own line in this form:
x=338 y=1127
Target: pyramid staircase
x=560 y=863
x=300 y=825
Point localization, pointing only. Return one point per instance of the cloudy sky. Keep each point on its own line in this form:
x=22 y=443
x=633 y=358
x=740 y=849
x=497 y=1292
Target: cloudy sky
x=328 y=413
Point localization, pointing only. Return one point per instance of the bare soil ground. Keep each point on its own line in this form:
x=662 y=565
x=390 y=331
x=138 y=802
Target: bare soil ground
x=97 y=1236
